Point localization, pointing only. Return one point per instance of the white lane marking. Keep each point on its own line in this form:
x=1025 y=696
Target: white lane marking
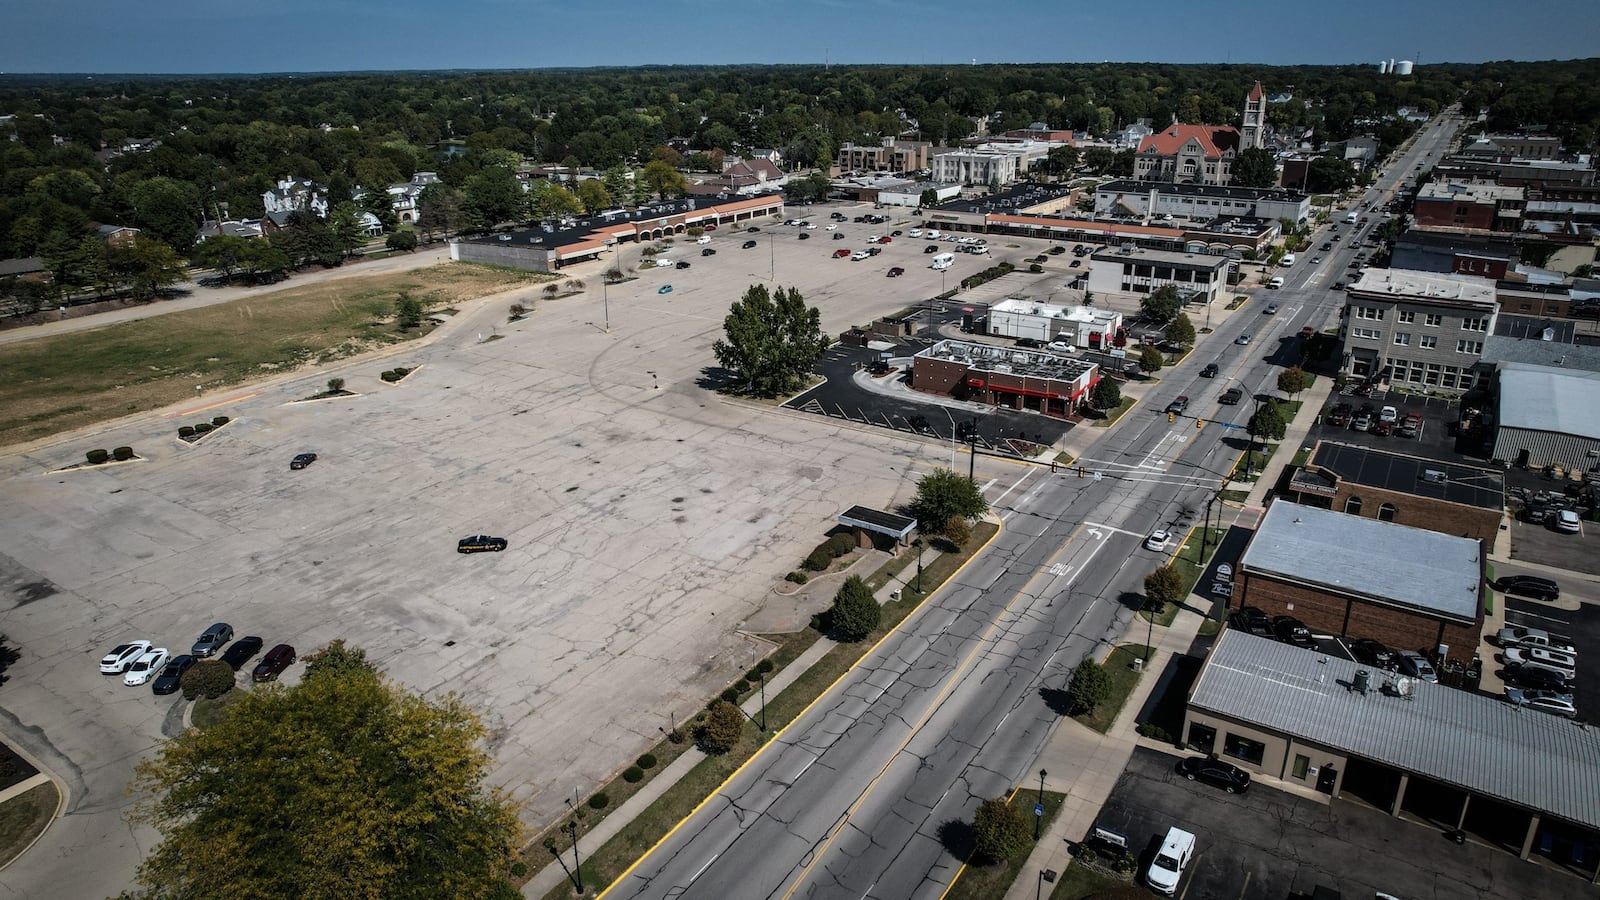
x=702 y=871
x=1014 y=485
x=1096 y=526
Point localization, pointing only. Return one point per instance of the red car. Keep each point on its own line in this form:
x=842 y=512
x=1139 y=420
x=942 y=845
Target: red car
x=711 y=228
x=886 y=240
x=896 y=272
x=841 y=254
x=272 y=665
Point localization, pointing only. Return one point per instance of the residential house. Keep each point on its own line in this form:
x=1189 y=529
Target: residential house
x=296 y=193
x=406 y=196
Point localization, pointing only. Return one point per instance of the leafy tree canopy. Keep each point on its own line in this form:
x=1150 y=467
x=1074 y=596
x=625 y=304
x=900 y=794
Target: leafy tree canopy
x=771 y=340
x=942 y=494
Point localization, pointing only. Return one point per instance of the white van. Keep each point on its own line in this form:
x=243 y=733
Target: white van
x=1167 y=868
x=943 y=261
x=932 y=234
x=1288 y=260
x=1275 y=283
x=1349 y=218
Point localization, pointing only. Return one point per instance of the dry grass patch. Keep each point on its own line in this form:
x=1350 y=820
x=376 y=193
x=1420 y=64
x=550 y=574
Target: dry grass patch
x=66 y=381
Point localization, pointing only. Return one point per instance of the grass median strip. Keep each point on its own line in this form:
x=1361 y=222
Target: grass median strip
x=604 y=864
x=24 y=817
x=66 y=381
x=1119 y=666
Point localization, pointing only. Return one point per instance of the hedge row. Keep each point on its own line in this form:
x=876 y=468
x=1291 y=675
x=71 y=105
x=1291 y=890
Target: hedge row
x=187 y=431
x=120 y=454
x=395 y=374
x=987 y=275
x=828 y=551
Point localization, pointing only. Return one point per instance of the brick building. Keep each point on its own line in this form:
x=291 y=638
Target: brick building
x=1471 y=206
x=1356 y=577
x=1050 y=383
x=1393 y=487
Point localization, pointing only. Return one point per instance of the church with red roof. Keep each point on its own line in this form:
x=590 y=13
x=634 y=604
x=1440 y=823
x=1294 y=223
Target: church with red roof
x=1202 y=154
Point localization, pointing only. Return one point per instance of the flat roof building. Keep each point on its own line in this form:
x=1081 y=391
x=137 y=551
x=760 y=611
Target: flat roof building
x=1203 y=202
x=1519 y=779
x=1199 y=277
x=1422 y=329
x=1449 y=498
x=1081 y=326
x=1547 y=416
x=1054 y=384
x=1355 y=577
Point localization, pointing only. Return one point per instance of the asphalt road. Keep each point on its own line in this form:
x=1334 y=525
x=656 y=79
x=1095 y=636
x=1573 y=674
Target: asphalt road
x=857 y=798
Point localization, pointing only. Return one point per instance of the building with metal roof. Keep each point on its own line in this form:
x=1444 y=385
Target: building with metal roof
x=1523 y=779
x=1547 y=416
x=1356 y=577
x=1446 y=497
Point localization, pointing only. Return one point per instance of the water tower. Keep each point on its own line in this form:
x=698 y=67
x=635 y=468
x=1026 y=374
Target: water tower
x=1403 y=67
x=1383 y=67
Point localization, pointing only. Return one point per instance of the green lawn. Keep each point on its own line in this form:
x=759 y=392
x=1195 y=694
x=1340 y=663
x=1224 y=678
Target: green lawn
x=24 y=817
x=984 y=882
x=1081 y=883
x=1110 y=416
x=1189 y=565
x=207 y=713
x=1119 y=665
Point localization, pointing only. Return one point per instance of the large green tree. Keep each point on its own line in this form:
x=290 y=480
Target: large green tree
x=663 y=180
x=1255 y=168
x=1267 y=422
x=1327 y=174
x=855 y=612
x=1000 y=831
x=942 y=494
x=771 y=340
x=143 y=266
x=344 y=786
x=1161 y=304
x=1180 y=330
x=168 y=209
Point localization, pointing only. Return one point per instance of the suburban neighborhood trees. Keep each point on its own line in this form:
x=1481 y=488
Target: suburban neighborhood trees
x=1180 y=331
x=1090 y=686
x=1164 y=586
x=771 y=341
x=345 y=785
x=942 y=494
x=1151 y=359
x=1107 y=394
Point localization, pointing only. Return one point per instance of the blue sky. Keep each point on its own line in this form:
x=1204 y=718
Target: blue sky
x=194 y=36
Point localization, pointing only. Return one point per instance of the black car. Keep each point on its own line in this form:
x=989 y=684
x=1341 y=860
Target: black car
x=804 y=236
x=708 y=252
x=1536 y=677
x=1211 y=770
x=1210 y=371
x=931 y=248
x=1178 y=405
x=272 y=665
x=241 y=651
x=1231 y=397
x=1029 y=343
x=1057 y=251
x=1529 y=586
x=480 y=543
x=1291 y=631
x=749 y=244
x=302 y=460
x=1371 y=653
x=752 y=229
x=167 y=681
x=1250 y=620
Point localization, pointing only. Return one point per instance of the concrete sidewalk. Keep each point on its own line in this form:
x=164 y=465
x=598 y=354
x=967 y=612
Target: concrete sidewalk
x=552 y=874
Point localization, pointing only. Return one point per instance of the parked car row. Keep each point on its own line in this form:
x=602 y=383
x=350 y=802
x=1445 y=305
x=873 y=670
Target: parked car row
x=140 y=662
x=1382 y=422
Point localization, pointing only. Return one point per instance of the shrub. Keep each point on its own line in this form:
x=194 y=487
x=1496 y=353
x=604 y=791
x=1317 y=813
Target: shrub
x=335 y=384
x=957 y=531
x=1155 y=732
x=647 y=761
x=220 y=421
x=517 y=309
x=766 y=665
x=842 y=543
x=633 y=774
x=819 y=560
x=185 y=431
x=519 y=869
x=599 y=800
x=202 y=427
x=999 y=831
x=797 y=577
x=742 y=686
x=730 y=695
x=754 y=675
x=97 y=456
x=389 y=376
x=401 y=371
x=721 y=729
x=122 y=453
x=1090 y=687
x=855 y=611
x=209 y=678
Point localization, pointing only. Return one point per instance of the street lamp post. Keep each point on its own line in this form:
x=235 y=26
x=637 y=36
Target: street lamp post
x=1038 y=814
x=917 y=545
x=952 y=419
x=763 y=676
x=577 y=863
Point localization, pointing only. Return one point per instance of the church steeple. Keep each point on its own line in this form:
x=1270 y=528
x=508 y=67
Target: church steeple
x=1253 y=133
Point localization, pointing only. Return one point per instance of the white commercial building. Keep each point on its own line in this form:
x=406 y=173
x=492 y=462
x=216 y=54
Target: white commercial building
x=911 y=194
x=1424 y=330
x=1199 y=277
x=1081 y=326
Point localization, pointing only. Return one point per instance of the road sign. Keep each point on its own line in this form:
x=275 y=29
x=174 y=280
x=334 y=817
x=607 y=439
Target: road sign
x=1038 y=809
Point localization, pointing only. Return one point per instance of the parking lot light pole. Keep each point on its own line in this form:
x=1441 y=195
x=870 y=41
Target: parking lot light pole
x=577 y=863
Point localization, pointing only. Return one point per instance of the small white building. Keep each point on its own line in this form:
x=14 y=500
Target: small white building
x=911 y=194
x=1084 y=327
x=1199 y=277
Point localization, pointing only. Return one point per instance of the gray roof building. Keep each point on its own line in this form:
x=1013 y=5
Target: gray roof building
x=1484 y=745
x=1380 y=562
x=1547 y=398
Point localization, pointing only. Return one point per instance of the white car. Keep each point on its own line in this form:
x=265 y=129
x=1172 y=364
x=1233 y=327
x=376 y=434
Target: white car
x=1158 y=541
x=1568 y=521
x=809 y=227
x=122 y=656
x=859 y=255
x=1517 y=636
x=833 y=226
x=1389 y=414
x=1565 y=663
x=1553 y=702
x=703 y=239
x=146 y=667
x=1416 y=665
x=1166 y=870
x=915 y=232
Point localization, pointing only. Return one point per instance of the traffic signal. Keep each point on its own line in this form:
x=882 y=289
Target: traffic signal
x=1080 y=471
x=1199 y=424
x=1171 y=417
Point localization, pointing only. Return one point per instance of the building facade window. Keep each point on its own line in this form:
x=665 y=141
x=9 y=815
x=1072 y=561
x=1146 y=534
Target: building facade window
x=1473 y=347
x=1244 y=748
x=1432 y=320
x=1428 y=342
x=1402 y=339
x=1405 y=316
x=1386 y=512
x=1372 y=313
x=1352 y=506
x=1302 y=765
x=1371 y=334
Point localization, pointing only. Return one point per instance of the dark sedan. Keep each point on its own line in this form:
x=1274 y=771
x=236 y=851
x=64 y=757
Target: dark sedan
x=241 y=651
x=272 y=665
x=167 y=682
x=1251 y=620
x=1536 y=677
x=1231 y=397
x=1291 y=631
x=302 y=460
x=1529 y=586
x=748 y=244
x=1371 y=653
x=480 y=543
x=1211 y=770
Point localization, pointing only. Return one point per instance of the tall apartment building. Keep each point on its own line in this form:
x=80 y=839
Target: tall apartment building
x=1424 y=330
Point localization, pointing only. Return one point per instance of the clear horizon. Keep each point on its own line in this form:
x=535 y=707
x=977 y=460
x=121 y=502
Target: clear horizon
x=228 y=37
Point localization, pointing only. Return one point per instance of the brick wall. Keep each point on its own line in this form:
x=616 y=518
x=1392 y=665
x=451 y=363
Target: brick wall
x=1326 y=613
x=1422 y=512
